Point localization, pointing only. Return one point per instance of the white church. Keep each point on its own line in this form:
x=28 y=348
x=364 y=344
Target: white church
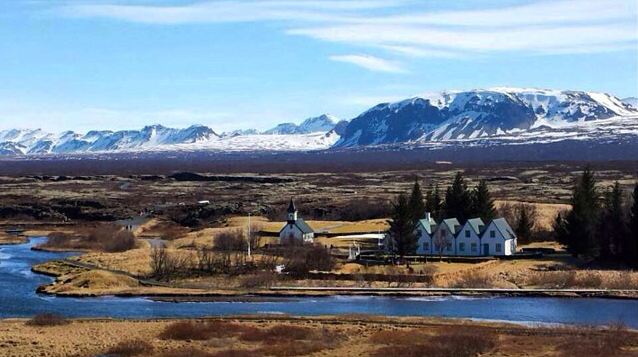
x=296 y=229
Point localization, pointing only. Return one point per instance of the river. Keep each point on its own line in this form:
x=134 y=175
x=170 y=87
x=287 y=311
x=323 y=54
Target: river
x=19 y=299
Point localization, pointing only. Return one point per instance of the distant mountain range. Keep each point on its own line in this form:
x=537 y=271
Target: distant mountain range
x=503 y=116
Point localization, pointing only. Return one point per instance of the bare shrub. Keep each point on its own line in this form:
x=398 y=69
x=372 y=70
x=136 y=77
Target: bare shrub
x=452 y=341
x=121 y=241
x=191 y=330
x=300 y=260
x=47 y=319
x=258 y=280
x=106 y=238
x=237 y=353
x=130 y=348
x=587 y=341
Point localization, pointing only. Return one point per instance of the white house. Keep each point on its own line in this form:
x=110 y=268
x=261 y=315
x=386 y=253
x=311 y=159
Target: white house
x=444 y=236
x=498 y=238
x=424 y=231
x=468 y=238
x=296 y=229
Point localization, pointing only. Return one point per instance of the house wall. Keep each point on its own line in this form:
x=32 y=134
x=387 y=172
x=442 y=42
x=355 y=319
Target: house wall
x=495 y=240
x=423 y=237
x=462 y=241
x=443 y=229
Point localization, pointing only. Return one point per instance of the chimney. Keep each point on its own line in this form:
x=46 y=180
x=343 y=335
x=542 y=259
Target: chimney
x=427 y=216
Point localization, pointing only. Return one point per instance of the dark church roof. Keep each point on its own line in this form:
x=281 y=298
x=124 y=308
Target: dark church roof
x=302 y=225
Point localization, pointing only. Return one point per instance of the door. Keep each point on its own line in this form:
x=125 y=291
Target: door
x=486 y=249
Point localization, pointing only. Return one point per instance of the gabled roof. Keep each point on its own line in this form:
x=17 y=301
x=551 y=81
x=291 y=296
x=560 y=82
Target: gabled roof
x=451 y=223
x=427 y=225
x=302 y=225
x=475 y=223
x=504 y=227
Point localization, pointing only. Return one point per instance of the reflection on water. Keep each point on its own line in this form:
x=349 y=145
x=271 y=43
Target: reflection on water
x=18 y=299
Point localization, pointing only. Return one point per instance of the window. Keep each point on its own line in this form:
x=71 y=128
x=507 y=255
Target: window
x=443 y=232
x=448 y=246
x=473 y=247
x=426 y=246
x=461 y=247
x=492 y=234
x=467 y=233
x=419 y=233
x=498 y=247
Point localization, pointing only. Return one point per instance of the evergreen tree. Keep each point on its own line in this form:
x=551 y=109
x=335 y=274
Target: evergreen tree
x=612 y=231
x=458 y=200
x=631 y=255
x=433 y=203
x=403 y=227
x=582 y=220
x=482 y=203
x=416 y=203
x=560 y=229
x=524 y=224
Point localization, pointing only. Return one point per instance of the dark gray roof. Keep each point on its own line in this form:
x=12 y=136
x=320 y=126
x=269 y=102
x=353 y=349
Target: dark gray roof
x=302 y=225
x=502 y=225
x=475 y=223
x=451 y=223
x=427 y=225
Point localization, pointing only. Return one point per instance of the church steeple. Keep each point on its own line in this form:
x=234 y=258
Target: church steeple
x=292 y=212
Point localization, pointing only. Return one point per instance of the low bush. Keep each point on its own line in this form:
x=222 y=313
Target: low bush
x=47 y=320
x=130 y=348
x=457 y=341
x=106 y=238
x=190 y=330
x=258 y=280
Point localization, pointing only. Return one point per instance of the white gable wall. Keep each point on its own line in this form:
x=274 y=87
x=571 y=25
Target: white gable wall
x=468 y=243
x=498 y=243
x=291 y=231
x=443 y=231
x=424 y=242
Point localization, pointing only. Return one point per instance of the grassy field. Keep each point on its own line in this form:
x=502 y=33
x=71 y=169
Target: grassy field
x=282 y=336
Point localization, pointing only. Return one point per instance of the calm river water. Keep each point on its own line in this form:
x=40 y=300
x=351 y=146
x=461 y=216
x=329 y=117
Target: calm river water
x=18 y=299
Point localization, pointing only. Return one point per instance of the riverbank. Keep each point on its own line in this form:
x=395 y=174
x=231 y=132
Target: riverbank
x=330 y=336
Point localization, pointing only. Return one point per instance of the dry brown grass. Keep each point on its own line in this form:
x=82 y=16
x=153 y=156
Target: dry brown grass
x=473 y=279
x=456 y=341
x=130 y=348
x=615 y=341
x=47 y=320
x=594 y=279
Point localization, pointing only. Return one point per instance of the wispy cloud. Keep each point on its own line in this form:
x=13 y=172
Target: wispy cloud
x=407 y=29
x=370 y=62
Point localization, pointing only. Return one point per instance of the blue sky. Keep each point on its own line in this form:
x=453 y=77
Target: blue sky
x=116 y=64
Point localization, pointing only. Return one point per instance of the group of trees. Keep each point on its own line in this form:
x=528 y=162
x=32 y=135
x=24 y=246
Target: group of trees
x=459 y=201
x=600 y=224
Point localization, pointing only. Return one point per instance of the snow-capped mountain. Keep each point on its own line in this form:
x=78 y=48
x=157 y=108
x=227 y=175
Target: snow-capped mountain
x=450 y=119
x=476 y=114
x=40 y=142
x=633 y=101
x=322 y=123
